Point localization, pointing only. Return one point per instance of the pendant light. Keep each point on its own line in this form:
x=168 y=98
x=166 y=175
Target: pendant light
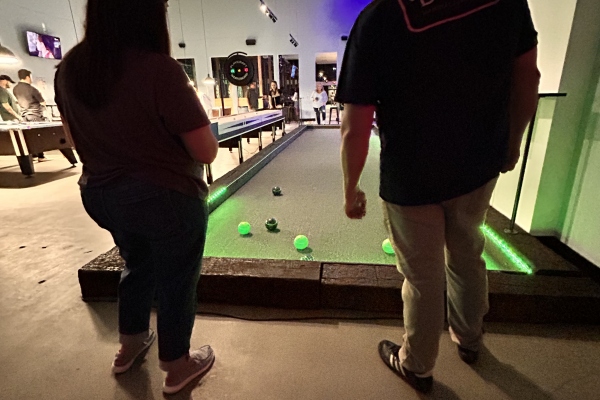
x=7 y=56
x=208 y=80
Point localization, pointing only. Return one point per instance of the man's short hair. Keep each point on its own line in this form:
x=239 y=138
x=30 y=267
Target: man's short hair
x=23 y=73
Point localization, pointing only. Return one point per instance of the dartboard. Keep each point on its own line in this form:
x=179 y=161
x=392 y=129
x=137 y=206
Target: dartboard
x=239 y=70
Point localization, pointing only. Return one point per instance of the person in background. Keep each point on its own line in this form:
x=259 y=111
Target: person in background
x=31 y=101
x=459 y=124
x=295 y=99
x=319 y=100
x=252 y=97
x=207 y=104
x=151 y=199
x=274 y=96
x=9 y=111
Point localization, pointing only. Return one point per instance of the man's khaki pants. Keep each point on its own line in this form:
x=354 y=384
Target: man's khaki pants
x=440 y=246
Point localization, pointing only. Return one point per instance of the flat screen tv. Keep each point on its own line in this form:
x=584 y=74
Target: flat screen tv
x=44 y=46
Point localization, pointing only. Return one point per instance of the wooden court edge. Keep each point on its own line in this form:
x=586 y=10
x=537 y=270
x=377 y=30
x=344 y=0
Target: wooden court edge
x=297 y=284
x=557 y=293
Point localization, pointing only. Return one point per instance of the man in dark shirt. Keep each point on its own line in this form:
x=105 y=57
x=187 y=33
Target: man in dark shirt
x=8 y=107
x=253 y=97
x=30 y=99
x=454 y=85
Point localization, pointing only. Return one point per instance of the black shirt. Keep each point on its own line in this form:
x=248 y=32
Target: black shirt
x=253 y=98
x=439 y=76
x=275 y=98
x=30 y=99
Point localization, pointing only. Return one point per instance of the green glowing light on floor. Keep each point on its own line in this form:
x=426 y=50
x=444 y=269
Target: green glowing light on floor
x=216 y=195
x=490 y=263
x=505 y=248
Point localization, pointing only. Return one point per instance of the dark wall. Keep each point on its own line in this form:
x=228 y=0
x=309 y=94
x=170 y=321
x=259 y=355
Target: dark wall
x=329 y=72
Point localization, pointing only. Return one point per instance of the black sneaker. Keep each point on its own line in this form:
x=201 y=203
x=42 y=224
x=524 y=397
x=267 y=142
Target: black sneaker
x=468 y=356
x=388 y=352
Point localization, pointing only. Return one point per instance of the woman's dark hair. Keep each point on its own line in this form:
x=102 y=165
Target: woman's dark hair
x=95 y=66
x=276 y=85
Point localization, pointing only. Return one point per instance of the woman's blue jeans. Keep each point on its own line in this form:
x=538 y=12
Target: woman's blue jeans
x=160 y=234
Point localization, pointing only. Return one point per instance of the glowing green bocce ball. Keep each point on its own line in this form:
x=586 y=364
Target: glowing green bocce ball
x=244 y=228
x=301 y=242
x=387 y=246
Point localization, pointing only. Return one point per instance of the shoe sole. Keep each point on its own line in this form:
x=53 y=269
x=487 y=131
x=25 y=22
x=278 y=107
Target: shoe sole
x=124 y=368
x=175 y=389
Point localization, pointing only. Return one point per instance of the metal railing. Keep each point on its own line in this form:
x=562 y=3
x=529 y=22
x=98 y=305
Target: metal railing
x=513 y=220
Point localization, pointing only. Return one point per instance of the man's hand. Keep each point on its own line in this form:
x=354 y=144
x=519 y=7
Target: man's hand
x=355 y=203
x=512 y=160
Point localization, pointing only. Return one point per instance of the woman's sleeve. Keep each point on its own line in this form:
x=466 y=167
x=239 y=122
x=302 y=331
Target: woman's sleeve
x=178 y=104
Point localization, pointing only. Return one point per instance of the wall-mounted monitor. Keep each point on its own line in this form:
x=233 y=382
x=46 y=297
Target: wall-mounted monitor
x=44 y=46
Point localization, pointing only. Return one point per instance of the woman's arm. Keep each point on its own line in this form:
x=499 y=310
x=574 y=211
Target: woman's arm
x=201 y=144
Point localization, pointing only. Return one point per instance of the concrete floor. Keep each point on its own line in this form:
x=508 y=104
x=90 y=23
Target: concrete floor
x=54 y=346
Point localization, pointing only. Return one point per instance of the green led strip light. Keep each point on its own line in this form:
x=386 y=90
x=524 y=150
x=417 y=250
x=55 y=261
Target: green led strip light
x=505 y=248
x=216 y=195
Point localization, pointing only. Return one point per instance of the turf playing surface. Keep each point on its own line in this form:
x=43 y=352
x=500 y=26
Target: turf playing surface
x=310 y=177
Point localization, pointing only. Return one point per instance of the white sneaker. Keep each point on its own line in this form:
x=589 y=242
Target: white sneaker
x=133 y=355
x=182 y=371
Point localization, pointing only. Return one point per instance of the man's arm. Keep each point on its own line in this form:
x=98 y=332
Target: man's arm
x=356 y=131
x=38 y=96
x=8 y=108
x=523 y=103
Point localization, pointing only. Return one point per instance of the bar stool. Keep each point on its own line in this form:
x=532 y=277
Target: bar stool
x=337 y=113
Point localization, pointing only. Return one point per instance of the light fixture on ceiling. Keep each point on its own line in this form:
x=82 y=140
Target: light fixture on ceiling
x=267 y=11
x=293 y=41
x=208 y=80
x=7 y=56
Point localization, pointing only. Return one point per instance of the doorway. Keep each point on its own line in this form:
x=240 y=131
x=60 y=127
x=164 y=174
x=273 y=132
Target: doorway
x=230 y=99
x=290 y=86
x=326 y=75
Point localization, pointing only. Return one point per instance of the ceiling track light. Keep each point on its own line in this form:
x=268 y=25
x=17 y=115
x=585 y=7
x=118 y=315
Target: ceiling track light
x=293 y=41
x=267 y=11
